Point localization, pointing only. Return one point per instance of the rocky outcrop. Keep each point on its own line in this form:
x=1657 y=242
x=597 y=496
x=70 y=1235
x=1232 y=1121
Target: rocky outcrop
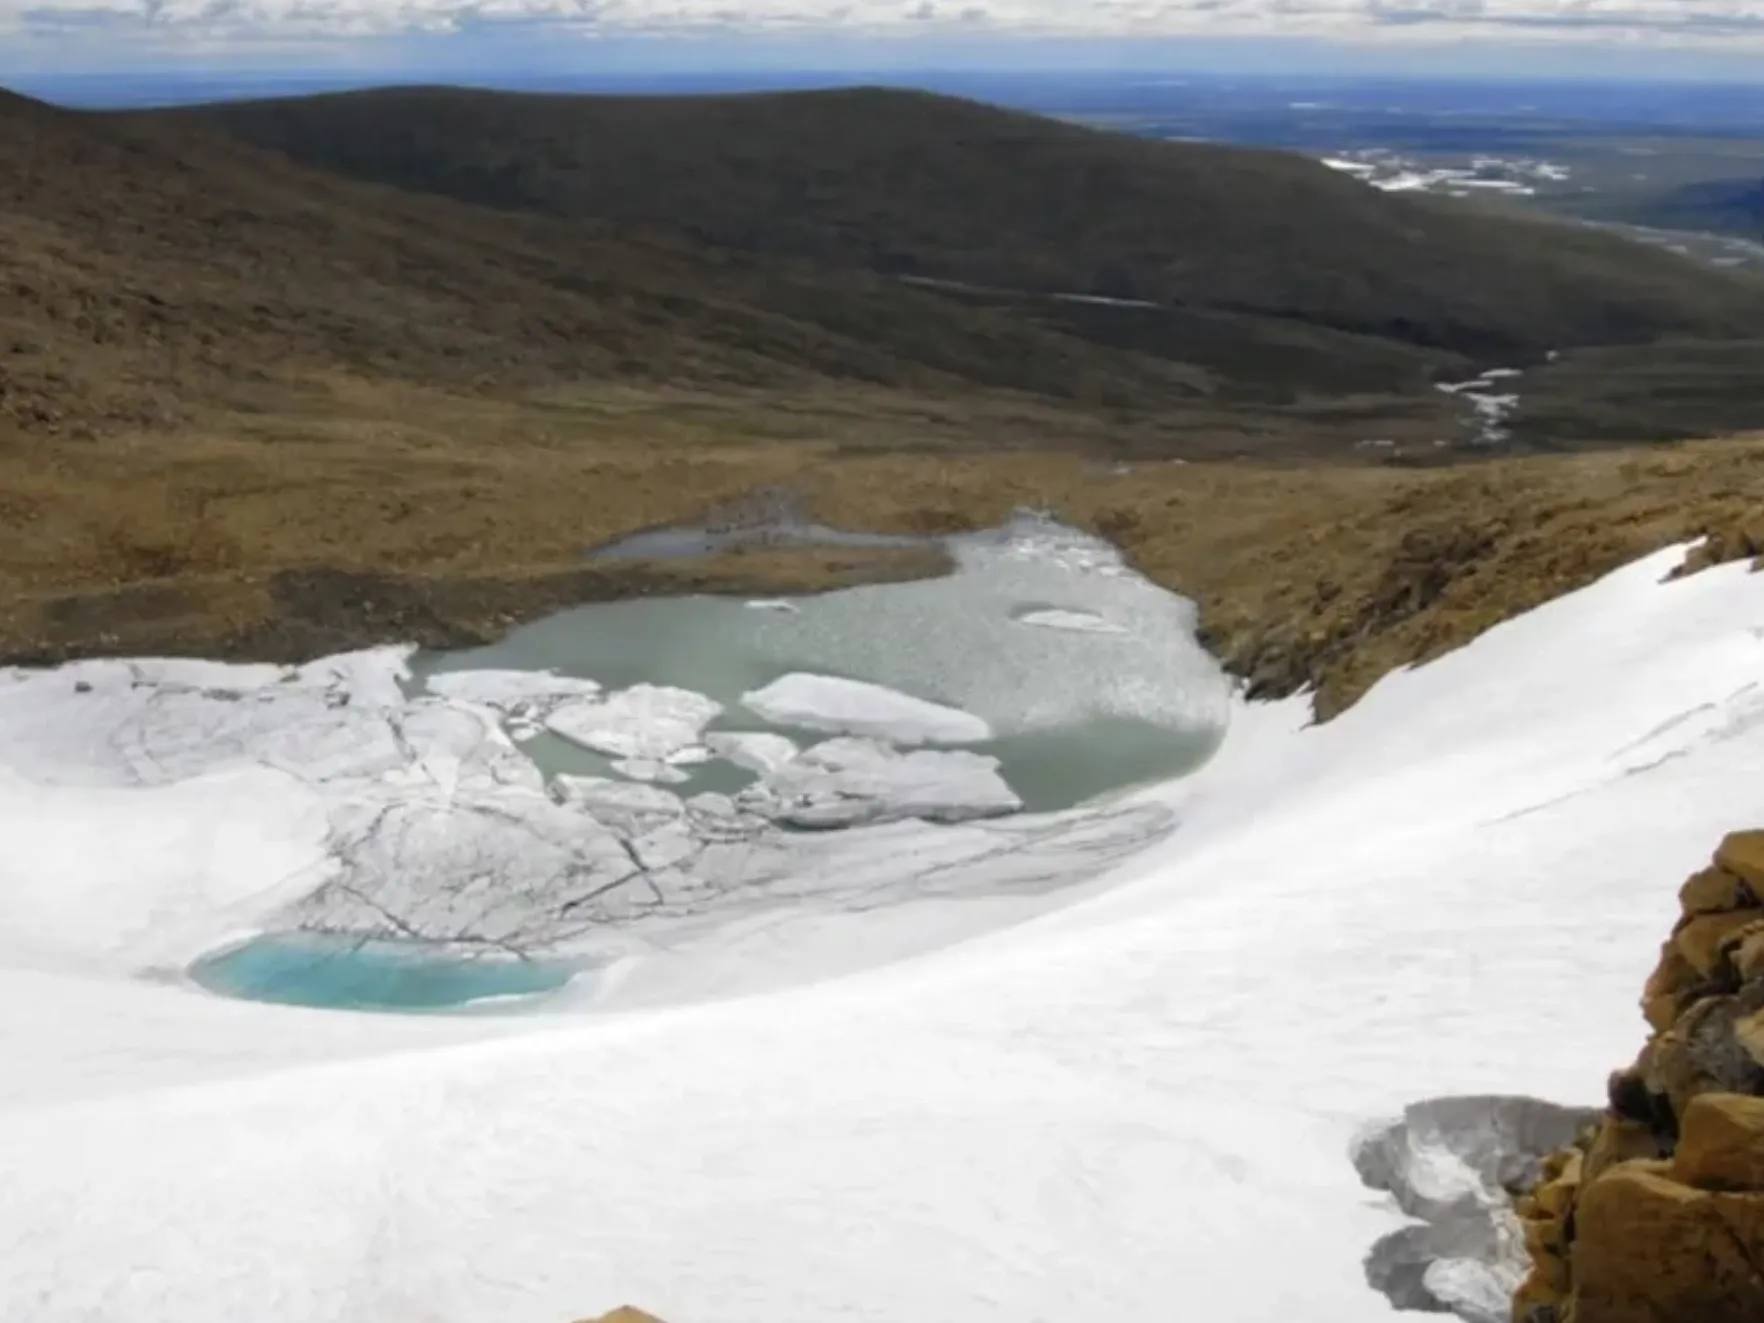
x=624 y=1314
x=1657 y=1216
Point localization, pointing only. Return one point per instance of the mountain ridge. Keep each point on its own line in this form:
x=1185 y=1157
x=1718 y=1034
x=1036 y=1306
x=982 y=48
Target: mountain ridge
x=916 y=183
x=171 y=261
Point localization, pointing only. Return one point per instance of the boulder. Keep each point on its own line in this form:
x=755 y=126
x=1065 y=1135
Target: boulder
x=1701 y=1053
x=1746 y=955
x=1701 y=940
x=1659 y=1216
x=1672 y=977
x=624 y=1314
x=1748 y=1032
x=1742 y=854
x=1618 y=1141
x=1721 y=1143
x=1648 y=1248
x=1554 y=1196
x=1715 y=891
x=1538 y=1300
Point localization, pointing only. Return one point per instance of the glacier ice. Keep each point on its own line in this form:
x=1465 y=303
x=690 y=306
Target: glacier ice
x=844 y=781
x=514 y=693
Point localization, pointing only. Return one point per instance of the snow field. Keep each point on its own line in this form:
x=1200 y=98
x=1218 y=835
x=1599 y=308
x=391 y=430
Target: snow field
x=1134 y=1100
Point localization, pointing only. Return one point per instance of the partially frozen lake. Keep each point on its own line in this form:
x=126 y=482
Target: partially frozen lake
x=1087 y=675
x=1069 y=1065
x=639 y=779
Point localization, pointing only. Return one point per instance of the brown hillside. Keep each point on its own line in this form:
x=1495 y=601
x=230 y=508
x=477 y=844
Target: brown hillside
x=154 y=268
x=254 y=409
x=912 y=183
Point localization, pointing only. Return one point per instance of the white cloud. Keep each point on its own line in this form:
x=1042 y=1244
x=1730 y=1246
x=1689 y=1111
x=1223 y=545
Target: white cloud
x=1677 y=21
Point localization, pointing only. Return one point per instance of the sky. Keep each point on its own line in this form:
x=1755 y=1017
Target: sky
x=1686 y=38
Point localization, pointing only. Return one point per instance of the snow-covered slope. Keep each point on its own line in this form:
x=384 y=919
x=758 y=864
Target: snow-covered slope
x=1135 y=1106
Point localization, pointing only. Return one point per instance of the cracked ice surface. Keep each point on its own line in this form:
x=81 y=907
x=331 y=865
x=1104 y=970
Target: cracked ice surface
x=417 y=815
x=528 y=694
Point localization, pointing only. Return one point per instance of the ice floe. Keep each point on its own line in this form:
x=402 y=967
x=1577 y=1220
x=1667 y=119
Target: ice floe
x=646 y=721
x=845 y=781
x=1079 y=622
x=756 y=750
x=856 y=707
x=651 y=769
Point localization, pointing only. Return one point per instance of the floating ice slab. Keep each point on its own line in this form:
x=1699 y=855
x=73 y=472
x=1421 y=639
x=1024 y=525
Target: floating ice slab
x=856 y=707
x=651 y=769
x=1079 y=622
x=756 y=750
x=847 y=781
x=644 y=721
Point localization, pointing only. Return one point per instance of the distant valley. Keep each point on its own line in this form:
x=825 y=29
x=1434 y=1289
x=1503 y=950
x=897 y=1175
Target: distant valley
x=1680 y=168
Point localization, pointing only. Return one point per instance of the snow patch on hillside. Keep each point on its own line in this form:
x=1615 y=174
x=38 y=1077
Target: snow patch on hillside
x=1119 y=1100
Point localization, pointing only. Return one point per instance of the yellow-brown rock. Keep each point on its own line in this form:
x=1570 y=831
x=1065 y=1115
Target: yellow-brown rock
x=1545 y=1239
x=1618 y=1141
x=1721 y=1143
x=624 y=1314
x=1538 y=1297
x=1715 y=891
x=1648 y=1249
x=1749 y=1034
x=1555 y=1195
x=1550 y=1278
x=1558 y=1165
x=1696 y=1055
x=1671 y=979
x=1700 y=941
x=1743 y=1216
x=1742 y=854
x=1659 y=1216
x=1747 y=957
